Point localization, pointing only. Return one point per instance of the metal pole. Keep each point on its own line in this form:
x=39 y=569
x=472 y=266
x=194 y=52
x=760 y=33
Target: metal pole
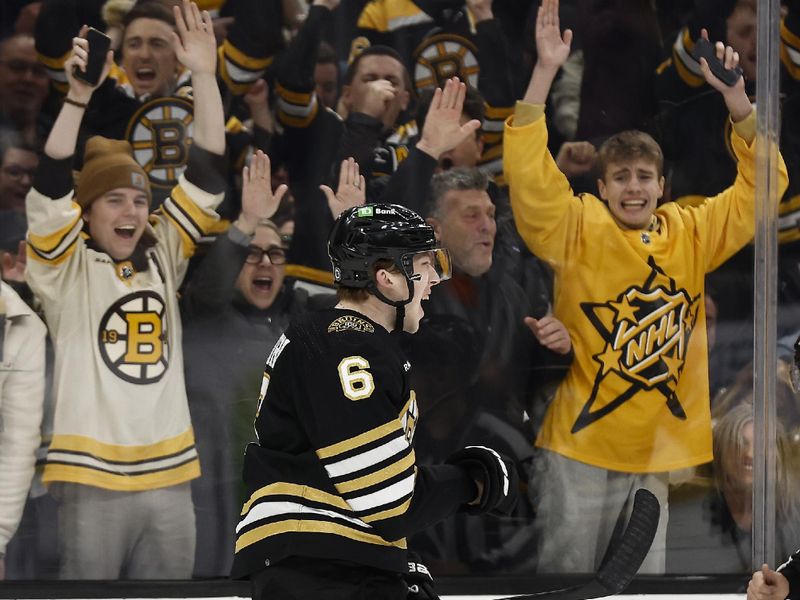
x=765 y=274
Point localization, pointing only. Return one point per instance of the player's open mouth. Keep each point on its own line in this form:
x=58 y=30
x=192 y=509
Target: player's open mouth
x=262 y=284
x=446 y=164
x=126 y=231
x=145 y=74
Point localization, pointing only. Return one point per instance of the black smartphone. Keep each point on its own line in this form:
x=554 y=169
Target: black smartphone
x=99 y=43
x=705 y=49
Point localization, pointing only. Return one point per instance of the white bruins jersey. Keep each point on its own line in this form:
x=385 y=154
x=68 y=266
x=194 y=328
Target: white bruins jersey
x=122 y=418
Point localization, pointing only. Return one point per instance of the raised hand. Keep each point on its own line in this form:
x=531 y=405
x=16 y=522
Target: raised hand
x=195 y=44
x=735 y=97
x=376 y=99
x=575 y=158
x=550 y=332
x=351 y=191
x=79 y=90
x=551 y=47
x=443 y=130
x=259 y=202
x=12 y=268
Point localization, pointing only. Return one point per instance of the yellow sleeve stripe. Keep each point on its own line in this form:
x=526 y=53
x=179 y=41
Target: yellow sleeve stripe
x=663 y=66
x=301 y=491
x=48 y=244
x=55 y=63
x=298 y=98
x=359 y=440
x=297 y=526
x=242 y=60
x=187 y=242
x=492 y=153
x=378 y=476
x=688 y=68
x=496 y=113
x=388 y=514
x=202 y=220
x=54 y=262
x=789 y=37
x=116 y=452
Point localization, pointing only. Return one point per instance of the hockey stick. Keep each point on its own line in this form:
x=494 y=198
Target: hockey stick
x=618 y=571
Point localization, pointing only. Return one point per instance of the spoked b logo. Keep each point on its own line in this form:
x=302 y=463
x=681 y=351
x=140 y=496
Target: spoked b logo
x=133 y=338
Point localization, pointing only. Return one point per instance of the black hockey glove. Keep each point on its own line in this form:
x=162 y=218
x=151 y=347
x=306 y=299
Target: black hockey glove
x=497 y=474
x=419 y=579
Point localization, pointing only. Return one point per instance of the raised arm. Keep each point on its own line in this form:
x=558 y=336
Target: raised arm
x=734 y=96
x=196 y=49
x=64 y=134
x=552 y=49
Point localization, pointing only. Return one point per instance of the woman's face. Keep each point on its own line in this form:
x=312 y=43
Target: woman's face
x=739 y=465
x=260 y=282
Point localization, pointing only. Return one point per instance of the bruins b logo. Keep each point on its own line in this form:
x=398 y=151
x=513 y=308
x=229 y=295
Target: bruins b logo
x=160 y=133
x=442 y=56
x=133 y=338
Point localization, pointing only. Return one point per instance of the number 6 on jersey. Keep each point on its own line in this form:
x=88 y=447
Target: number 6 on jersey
x=357 y=383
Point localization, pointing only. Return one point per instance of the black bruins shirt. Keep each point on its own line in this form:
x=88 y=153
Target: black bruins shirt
x=333 y=472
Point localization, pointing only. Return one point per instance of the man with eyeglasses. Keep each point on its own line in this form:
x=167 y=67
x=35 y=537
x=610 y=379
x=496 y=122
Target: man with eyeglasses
x=18 y=164
x=23 y=88
x=234 y=309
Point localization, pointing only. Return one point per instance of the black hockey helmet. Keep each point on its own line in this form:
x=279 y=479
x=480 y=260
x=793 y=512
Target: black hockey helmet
x=364 y=235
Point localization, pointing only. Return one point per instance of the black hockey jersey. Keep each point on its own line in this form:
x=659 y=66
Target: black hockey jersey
x=333 y=472
x=791 y=570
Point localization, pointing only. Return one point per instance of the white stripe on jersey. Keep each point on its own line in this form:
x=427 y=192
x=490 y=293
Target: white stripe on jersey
x=265 y=510
x=368 y=458
x=122 y=469
x=387 y=495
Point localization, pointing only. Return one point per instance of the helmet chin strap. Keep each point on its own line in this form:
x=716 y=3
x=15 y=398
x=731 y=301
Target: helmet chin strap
x=399 y=305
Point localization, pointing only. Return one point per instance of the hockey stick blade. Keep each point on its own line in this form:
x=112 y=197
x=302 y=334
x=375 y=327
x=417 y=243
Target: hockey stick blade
x=623 y=564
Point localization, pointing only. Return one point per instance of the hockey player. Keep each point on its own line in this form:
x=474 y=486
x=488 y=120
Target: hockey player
x=333 y=480
x=767 y=584
x=122 y=451
x=629 y=287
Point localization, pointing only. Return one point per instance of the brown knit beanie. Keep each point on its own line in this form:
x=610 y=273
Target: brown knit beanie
x=108 y=164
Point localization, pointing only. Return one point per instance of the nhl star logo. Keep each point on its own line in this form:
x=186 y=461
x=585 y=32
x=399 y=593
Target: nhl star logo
x=646 y=331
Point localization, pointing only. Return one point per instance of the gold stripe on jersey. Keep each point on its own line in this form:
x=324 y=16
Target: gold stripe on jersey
x=378 y=476
x=296 y=109
x=191 y=221
x=790 y=51
x=80 y=459
x=122 y=483
x=359 y=440
x=688 y=68
x=388 y=514
x=384 y=16
x=117 y=452
x=238 y=70
x=309 y=526
x=293 y=489
x=56 y=247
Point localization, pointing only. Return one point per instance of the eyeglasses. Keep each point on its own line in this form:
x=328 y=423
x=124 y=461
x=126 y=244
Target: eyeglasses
x=277 y=255
x=20 y=67
x=15 y=172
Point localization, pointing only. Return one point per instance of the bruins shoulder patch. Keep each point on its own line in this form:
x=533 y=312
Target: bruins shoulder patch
x=351 y=323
